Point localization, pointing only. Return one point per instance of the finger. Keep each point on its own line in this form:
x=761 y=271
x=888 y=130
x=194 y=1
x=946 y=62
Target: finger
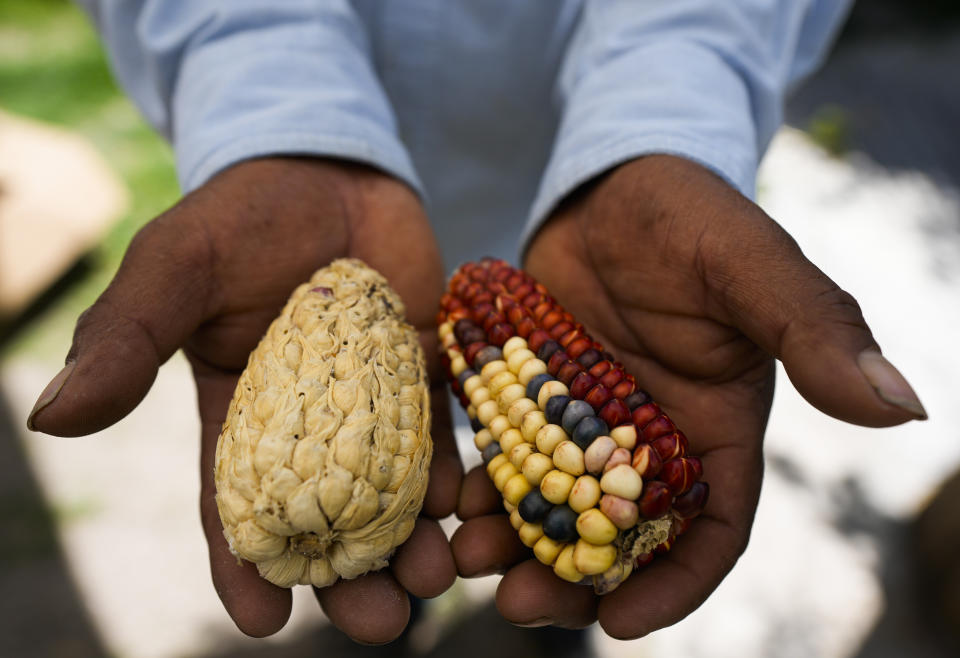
x=790 y=308
x=530 y=594
x=486 y=545
x=446 y=469
x=258 y=607
x=371 y=609
x=424 y=564
x=159 y=296
x=478 y=496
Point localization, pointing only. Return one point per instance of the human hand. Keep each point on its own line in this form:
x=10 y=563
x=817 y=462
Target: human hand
x=209 y=276
x=696 y=291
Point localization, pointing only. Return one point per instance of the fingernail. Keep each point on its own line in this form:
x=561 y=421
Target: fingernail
x=889 y=384
x=50 y=393
x=536 y=623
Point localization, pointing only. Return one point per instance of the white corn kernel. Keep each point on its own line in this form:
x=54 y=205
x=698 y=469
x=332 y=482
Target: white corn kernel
x=500 y=381
x=510 y=438
x=509 y=395
x=491 y=369
x=516 y=360
x=550 y=389
x=519 y=409
x=482 y=439
x=568 y=457
x=623 y=481
x=513 y=344
x=498 y=425
x=473 y=383
x=625 y=436
x=531 y=423
x=531 y=369
x=487 y=411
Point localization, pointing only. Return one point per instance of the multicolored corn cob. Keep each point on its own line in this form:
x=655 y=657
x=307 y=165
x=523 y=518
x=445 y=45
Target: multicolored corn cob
x=595 y=477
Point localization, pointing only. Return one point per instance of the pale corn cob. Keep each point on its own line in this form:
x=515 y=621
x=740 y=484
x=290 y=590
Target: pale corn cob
x=596 y=477
x=321 y=466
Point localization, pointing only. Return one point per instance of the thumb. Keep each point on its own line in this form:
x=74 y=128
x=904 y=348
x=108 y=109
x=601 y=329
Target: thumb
x=791 y=309
x=157 y=298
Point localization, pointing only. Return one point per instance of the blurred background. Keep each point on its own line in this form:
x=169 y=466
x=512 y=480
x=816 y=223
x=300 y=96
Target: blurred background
x=857 y=538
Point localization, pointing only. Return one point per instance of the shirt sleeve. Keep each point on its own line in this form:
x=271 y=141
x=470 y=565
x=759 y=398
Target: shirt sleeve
x=700 y=79
x=229 y=80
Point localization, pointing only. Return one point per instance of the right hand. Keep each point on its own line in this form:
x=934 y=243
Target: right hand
x=209 y=276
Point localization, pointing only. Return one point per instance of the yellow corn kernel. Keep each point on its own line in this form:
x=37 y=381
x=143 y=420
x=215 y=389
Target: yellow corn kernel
x=516 y=360
x=498 y=425
x=564 y=566
x=530 y=533
x=519 y=453
x=445 y=329
x=503 y=474
x=625 y=436
x=531 y=423
x=516 y=488
x=535 y=467
x=509 y=507
x=555 y=486
x=513 y=344
x=491 y=369
x=548 y=390
x=585 y=493
x=500 y=381
x=457 y=365
x=487 y=411
x=496 y=463
x=473 y=383
x=482 y=439
x=531 y=369
x=546 y=550
x=480 y=395
x=510 y=439
x=568 y=457
x=591 y=559
x=516 y=520
x=594 y=527
x=520 y=408
x=549 y=437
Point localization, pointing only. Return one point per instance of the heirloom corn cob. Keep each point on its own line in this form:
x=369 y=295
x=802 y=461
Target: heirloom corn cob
x=595 y=476
x=321 y=466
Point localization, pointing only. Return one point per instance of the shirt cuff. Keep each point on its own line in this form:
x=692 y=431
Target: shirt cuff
x=677 y=98
x=289 y=90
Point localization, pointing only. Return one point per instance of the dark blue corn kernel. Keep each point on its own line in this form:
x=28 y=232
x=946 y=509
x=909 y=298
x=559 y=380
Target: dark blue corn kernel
x=475 y=424
x=589 y=358
x=465 y=375
x=560 y=524
x=587 y=430
x=486 y=355
x=473 y=335
x=636 y=399
x=534 y=385
x=555 y=407
x=547 y=349
x=461 y=327
x=491 y=451
x=576 y=411
x=534 y=507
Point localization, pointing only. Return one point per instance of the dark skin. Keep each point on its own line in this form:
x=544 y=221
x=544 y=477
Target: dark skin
x=687 y=282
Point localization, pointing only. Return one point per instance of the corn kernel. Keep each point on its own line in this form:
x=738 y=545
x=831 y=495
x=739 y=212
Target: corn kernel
x=564 y=567
x=516 y=488
x=623 y=481
x=496 y=463
x=518 y=454
x=549 y=437
x=473 y=383
x=549 y=390
x=568 y=457
x=509 y=507
x=597 y=454
x=519 y=409
x=625 y=436
x=511 y=438
x=448 y=341
x=480 y=395
x=531 y=369
x=585 y=493
x=500 y=381
x=513 y=344
x=487 y=411
x=530 y=533
x=516 y=360
x=546 y=550
x=555 y=486
x=458 y=365
x=531 y=423
x=509 y=395
x=515 y=519
x=594 y=526
x=445 y=329
x=591 y=559
x=535 y=467
x=482 y=439
x=471 y=411
x=503 y=474
x=498 y=425
x=491 y=369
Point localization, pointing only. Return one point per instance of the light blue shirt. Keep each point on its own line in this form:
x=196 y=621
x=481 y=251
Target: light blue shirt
x=493 y=110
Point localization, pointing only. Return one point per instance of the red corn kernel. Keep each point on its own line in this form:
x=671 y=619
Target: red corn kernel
x=646 y=461
x=522 y=290
x=556 y=360
x=559 y=329
x=598 y=396
x=568 y=338
x=678 y=474
x=501 y=274
x=514 y=281
x=624 y=389
x=589 y=358
x=582 y=383
x=643 y=560
x=655 y=499
x=644 y=414
x=448 y=302
x=525 y=327
x=568 y=371
x=679 y=526
x=501 y=333
x=600 y=368
x=568 y=317
x=691 y=503
x=614 y=413
x=484 y=297
x=697 y=465
x=659 y=426
x=612 y=377
x=668 y=447
x=457 y=314
x=493 y=318
x=536 y=339
x=577 y=346
x=533 y=300
x=539 y=287
x=440 y=317
x=541 y=310
x=470 y=351
x=479 y=312
x=479 y=274
x=473 y=289
x=517 y=313
x=551 y=319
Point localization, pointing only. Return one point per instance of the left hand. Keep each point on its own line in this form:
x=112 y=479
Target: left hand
x=696 y=290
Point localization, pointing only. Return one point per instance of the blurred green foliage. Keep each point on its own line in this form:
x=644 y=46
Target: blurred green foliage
x=53 y=68
x=830 y=129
